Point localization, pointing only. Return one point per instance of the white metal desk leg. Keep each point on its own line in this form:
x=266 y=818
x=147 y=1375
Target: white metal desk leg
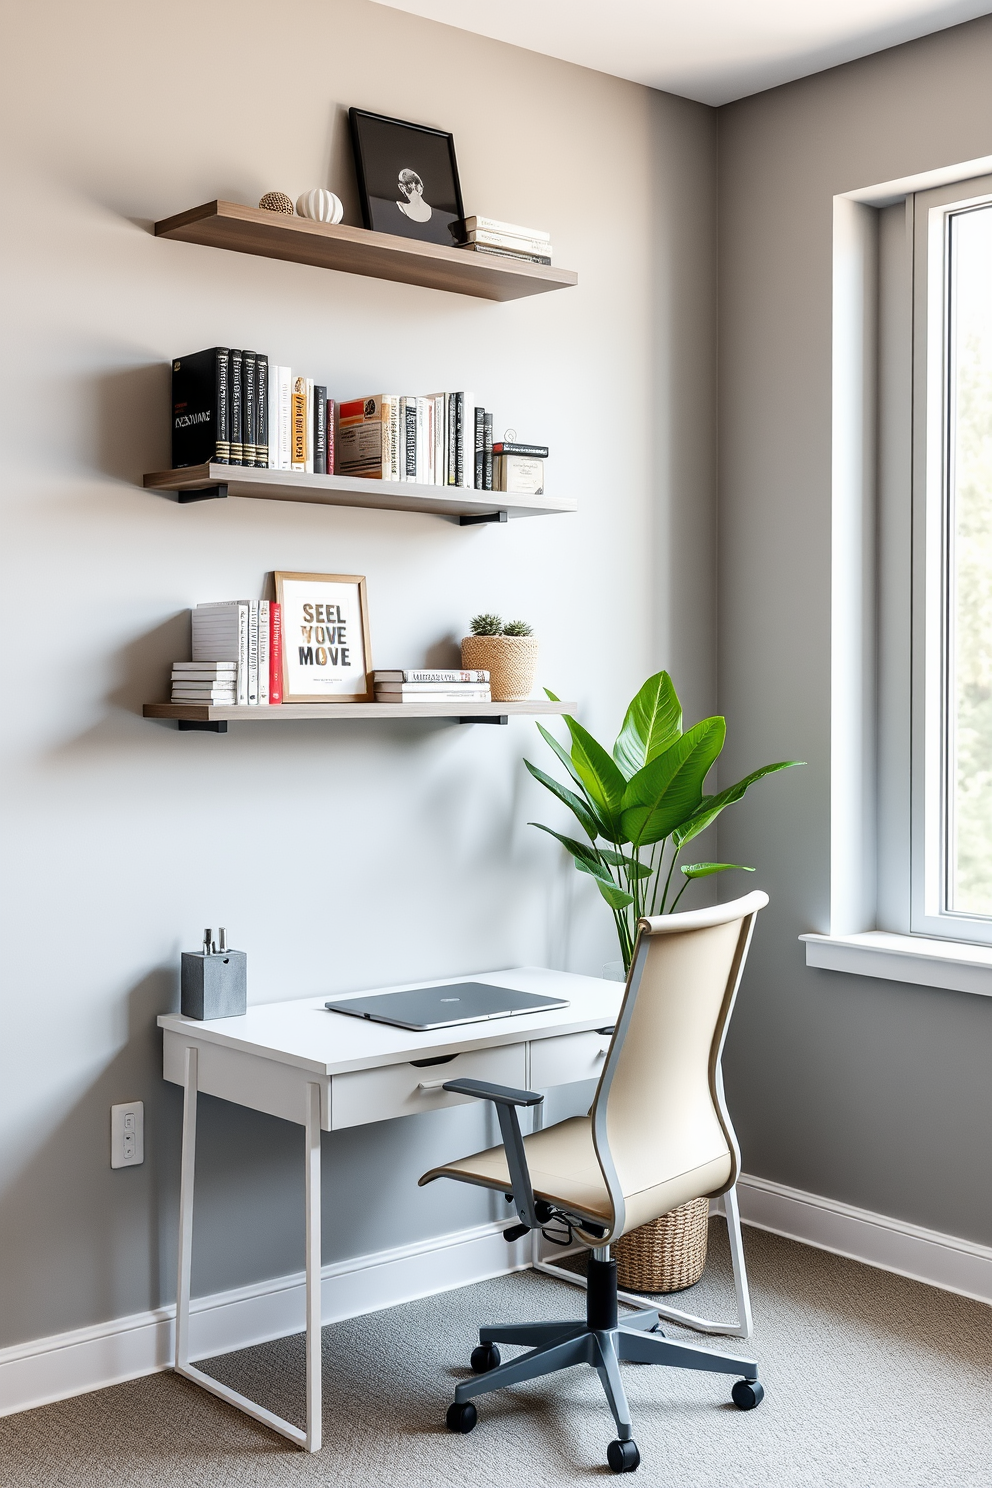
x=186 y=1210
x=313 y=1268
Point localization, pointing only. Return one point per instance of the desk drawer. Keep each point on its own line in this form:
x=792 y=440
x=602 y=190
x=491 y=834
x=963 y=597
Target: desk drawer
x=398 y=1089
x=573 y=1056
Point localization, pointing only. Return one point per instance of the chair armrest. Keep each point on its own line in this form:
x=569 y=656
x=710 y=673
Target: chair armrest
x=501 y=1094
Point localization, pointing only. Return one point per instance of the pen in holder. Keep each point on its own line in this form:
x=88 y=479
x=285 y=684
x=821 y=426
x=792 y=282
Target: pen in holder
x=214 y=980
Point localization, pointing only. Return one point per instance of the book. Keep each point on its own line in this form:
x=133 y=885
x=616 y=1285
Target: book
x=234 y=418
x=200 y=399
x=285 y=416
x=459 y=438
x=320 y=431
x=204 y=668
x=433 y=675
x=509 y=241
x=275 y=652
x=429 y=689
x=440 y=438
x=465 y=440
x=220 y=633
x=263 y=653
x=298 y=454
x=522 y=255
x=249 y=407
x=479 y=446
x=506 y=447
x=451 y=441
x=487 y=452
x=520 y=475
x=425 y=441
x=330 y=436
x=252 y=653
x=309 y=417
x=490 y=224
x=261 y=410
x=366 y=445
x=224 y=696
x=272 y=417
x=398 y=693
x=408 y=434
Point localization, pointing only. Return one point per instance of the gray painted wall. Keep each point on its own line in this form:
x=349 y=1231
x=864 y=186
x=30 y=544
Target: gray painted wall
x=867 y=1091
x=340 y=856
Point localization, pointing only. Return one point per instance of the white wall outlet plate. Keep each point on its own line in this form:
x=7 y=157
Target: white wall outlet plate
x=127 y=1135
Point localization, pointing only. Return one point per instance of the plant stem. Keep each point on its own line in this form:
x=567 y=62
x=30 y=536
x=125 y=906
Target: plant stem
x=668 y=880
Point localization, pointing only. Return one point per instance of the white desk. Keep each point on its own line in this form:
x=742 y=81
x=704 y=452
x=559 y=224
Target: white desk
x=326 y=1071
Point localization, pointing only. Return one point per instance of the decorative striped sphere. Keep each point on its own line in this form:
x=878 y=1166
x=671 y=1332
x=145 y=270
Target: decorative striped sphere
x=320 y=206
x=277 y=201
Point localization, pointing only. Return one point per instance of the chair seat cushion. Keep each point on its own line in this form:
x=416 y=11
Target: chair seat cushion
x=565 y=1171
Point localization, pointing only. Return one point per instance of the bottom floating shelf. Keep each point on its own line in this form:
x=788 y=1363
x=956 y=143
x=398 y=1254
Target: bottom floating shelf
x=203 y=716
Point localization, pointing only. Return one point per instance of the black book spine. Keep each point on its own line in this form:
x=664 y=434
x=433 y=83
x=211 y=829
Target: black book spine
x=459 y=439
x=480 y=425
x=320 y=431
x=411 y=439
x=451 y=474
x=199 y=414
x=236 y=423
x=222 y=438
x=487 y=452
x=249 y=407
x=262 y=411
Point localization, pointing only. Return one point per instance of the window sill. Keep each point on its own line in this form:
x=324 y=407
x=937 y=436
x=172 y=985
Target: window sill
x=905 y=958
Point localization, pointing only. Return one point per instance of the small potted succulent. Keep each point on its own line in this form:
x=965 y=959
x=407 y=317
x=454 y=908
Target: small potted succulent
x=507 y=652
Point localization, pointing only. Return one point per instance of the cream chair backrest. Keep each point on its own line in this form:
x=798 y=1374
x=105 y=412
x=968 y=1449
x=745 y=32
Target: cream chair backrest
x=659 y=1109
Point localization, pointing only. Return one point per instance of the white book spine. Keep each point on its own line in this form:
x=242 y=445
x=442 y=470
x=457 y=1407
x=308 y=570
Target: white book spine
x=252 y=653
x=423 y=441
x=273 y=417
x=309 y=464
x=285 y=416
x=242 y=655
x=401 y=452
x=440 y=425
x=263 y=652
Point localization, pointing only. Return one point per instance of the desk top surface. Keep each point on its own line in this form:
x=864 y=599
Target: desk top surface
x=302 y=1032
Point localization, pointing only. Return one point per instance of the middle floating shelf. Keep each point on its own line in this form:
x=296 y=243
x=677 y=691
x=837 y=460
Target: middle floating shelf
x=202 y=482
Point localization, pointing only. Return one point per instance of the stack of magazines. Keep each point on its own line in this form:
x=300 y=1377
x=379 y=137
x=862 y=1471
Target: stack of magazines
x=426 y=685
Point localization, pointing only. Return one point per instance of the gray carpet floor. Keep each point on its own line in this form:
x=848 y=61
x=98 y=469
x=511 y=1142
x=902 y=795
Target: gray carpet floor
x=871 y=1380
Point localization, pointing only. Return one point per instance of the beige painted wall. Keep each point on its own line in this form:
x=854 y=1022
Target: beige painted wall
x=122 y=838
x=859 y=1089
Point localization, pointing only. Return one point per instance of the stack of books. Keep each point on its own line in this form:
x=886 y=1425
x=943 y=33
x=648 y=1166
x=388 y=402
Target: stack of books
x=232 y=408
x=237 y=652
x=426 y=685
x=437 y=439
x=503 y=239
x=519 y=468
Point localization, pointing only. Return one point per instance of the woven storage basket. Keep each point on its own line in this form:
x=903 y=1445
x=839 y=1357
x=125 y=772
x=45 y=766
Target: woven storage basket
x=511 y=662
x=666 y=1255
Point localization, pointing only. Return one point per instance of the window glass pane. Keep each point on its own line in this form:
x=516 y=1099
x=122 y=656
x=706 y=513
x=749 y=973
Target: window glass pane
x=969 y=612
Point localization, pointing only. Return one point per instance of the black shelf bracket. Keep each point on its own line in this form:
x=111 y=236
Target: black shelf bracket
x=473 y=521
x=202 y=726
x=205 y=493
x=497 y=718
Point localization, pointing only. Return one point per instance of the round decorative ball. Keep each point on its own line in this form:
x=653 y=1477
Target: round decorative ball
x=320 y=206
x=277 y=201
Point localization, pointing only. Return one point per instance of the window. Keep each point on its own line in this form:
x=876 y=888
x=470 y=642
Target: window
x=952 y=565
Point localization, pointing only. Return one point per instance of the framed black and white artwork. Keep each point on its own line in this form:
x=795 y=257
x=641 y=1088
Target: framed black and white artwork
x=407 y=178
x=325 y=638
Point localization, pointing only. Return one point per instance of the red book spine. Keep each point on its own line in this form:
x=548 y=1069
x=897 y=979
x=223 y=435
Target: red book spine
x=330 y=436
x=275 y=653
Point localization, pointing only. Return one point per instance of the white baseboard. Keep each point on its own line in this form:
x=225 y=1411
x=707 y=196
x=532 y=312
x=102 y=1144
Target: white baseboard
x=891 y=1244
x=48 y=1369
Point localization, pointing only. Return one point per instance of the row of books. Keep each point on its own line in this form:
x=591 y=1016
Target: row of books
x=236 y=655
x=424 y=685
x=503 y=239
x=232 y=407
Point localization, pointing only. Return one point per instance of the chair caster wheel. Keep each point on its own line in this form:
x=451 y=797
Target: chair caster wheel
x=485 y=1357
x=461 y=1417
x=623 y=1456
x=746 y=1394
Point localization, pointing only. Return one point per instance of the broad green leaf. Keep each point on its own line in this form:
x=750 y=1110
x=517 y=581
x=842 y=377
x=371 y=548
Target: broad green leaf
x=603 y=782
x=653 y=722
x=669 y=790
x=586 y=820
x=561 y=752
x=580 y=851
x=703 y=870
x=711 y=806
x=634 y=868
x=615 y=897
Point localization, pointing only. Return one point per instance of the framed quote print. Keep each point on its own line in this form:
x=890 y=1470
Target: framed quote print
x=325 y=638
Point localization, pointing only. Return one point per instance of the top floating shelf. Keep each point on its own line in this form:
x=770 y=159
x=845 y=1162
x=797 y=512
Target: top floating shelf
x=353 y=250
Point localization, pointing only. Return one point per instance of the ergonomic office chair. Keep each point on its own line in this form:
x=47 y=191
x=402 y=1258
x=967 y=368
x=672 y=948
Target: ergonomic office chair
x=657 y=1135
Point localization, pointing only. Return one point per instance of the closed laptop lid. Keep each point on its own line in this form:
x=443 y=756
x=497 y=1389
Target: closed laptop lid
x=422 y=1008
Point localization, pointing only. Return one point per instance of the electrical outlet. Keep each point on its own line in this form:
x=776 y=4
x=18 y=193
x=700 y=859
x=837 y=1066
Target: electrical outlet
x=127 y=1135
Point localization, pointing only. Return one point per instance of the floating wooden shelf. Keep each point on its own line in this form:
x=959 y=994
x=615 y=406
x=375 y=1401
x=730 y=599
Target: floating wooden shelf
x=353 y=250
x=209 y=716
x=199 y=482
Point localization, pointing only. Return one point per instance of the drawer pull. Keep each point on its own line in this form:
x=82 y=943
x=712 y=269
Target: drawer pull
x=433 y=1084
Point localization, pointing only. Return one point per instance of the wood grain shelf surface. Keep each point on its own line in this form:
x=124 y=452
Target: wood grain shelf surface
x=347 y=490
x=353 y=250
x=339 y=712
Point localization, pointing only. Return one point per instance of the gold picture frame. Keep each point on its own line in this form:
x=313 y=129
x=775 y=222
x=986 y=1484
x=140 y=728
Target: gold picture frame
x=325 y=620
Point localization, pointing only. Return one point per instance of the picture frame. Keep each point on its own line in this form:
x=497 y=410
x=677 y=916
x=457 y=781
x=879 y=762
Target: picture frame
x=407 y=178
x=326 y=653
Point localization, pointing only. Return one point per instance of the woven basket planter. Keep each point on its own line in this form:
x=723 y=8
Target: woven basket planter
x=666 y=1255
x=511 y=662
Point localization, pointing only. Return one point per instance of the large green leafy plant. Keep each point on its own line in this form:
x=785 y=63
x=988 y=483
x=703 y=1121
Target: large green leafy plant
x=642 y=804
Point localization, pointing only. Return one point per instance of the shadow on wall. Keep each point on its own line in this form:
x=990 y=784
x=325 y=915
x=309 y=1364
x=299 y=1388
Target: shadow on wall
x=132 y=435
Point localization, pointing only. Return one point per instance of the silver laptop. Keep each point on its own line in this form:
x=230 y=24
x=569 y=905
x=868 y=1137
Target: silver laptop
x=422 y=1008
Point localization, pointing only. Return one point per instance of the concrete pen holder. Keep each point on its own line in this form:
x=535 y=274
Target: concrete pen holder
x=214 y=980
